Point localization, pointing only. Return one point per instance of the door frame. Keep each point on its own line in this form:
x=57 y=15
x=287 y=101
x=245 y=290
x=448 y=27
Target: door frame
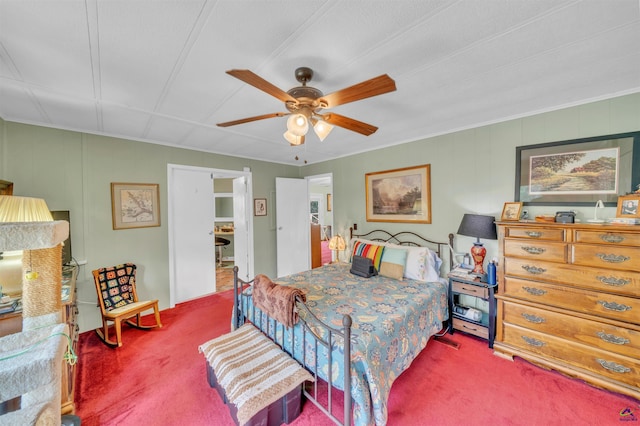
x=216 y=173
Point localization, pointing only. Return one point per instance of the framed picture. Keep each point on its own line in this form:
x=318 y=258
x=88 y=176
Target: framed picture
x=260 y=207
x=578 y=172
x=629 y=206
x=511 y=211
x=329 y=202
x=135 y=205
x=400 y=195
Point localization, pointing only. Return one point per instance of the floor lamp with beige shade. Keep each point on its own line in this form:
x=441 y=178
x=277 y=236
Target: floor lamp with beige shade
x=30 y=361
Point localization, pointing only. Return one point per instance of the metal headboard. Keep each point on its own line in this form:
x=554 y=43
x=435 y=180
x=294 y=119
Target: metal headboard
x=408 y=238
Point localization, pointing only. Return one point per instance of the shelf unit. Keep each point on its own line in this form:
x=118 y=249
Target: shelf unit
x=473 y=287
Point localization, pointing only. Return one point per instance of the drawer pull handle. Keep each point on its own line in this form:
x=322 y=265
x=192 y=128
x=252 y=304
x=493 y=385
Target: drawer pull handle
x=533 y=318
x=612 y=258
x=612 y=238
x=611 y=338
x=612 y=366
x=534 y=234
x=533 y=269
x=613 y=306
x=613 y=281
x=533 y=250
x=470 y=290
x=533 y=342
x=534 y=291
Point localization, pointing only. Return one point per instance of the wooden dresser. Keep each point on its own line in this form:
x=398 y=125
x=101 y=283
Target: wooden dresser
x=569 y=300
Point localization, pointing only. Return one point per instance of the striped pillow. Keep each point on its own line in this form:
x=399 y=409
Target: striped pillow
x=372 y=251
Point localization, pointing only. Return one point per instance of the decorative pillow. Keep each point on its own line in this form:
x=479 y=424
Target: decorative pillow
x=372 y=251
x=116 y=285
x=393 y=262
x=416 y=267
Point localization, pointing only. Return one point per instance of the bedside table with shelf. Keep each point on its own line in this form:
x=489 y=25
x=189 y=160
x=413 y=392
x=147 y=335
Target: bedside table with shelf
x=474 y=287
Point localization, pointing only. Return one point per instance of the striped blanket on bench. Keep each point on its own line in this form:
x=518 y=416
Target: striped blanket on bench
x=253 y=371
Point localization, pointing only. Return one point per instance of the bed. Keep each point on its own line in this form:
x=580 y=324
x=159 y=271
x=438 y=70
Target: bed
x=387 y=321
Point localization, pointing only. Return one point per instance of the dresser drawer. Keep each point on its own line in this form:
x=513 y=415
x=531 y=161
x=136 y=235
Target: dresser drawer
x=601 y=256
x=607 y=280
x=471 y=290
x=535 y=233
x=617 y=367
x=593 y=333
x=605 y=305
x=538 y=250
x=605 y=237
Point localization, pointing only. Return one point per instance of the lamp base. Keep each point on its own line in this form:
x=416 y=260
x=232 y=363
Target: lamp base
x=478 y=252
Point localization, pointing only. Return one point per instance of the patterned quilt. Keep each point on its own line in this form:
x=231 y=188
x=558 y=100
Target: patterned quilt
x=392 y=323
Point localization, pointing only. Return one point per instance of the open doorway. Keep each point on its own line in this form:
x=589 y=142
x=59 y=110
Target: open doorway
x=320 y=218
x=192 y=224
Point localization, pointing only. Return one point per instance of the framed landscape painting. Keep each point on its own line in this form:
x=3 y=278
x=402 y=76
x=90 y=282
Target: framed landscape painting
x=579 y=171
x=399 y=195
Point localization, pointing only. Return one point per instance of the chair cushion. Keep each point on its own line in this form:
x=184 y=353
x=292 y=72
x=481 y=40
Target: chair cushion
x=116 y=285
x=133 y=307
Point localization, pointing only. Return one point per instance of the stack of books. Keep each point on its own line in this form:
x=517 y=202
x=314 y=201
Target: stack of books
x=10 y=306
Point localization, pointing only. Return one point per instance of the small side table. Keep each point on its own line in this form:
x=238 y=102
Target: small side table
x=475 y=287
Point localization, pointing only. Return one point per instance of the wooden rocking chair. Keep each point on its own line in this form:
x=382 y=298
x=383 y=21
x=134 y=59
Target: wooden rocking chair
x=118 y=301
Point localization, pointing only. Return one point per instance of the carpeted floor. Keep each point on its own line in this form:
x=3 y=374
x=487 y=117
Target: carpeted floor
x=159 y=378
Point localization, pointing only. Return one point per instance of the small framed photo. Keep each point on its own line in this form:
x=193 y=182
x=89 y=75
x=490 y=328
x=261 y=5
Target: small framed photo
x=628 y=206
x=260 y=207
x=135 y=205
x=511 y=211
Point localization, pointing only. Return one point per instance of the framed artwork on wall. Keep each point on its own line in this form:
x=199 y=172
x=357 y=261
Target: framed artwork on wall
x=135 y=205
x=260 y=207
x=511 y=211
x=399 y=195
x=578 y=171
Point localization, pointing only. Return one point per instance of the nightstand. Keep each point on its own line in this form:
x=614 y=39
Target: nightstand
x=473 y=287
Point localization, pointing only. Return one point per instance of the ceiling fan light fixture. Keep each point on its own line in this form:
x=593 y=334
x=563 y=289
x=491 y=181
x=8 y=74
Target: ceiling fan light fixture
x=298 y=125
x=293 y=140
x=322 y=129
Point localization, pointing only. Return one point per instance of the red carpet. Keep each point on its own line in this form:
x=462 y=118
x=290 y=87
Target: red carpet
x=159 y=378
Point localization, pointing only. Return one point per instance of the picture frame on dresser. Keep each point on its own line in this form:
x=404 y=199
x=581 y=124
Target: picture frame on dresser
x=578 y=172
x=511 y=211
x=629 y=206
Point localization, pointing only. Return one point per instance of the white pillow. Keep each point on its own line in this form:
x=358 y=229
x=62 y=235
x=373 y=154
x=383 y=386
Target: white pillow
x=422 y=263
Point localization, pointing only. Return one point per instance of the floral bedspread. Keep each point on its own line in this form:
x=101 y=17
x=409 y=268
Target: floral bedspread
x=392 y=323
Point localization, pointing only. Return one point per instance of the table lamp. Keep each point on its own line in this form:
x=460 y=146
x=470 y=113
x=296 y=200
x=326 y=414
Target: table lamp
x=337 y=244
x=478 y=226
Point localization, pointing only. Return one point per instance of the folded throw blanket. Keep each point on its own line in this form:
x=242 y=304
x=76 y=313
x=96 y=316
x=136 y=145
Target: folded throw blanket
x=277 y=301
x=253 y=371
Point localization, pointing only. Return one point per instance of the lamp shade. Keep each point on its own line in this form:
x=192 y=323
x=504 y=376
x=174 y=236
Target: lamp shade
x=337 y=243
x=478 y=226
x=23 y=209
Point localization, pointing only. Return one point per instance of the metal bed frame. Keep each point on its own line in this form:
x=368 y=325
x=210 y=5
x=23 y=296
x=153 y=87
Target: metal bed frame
x=242 y=313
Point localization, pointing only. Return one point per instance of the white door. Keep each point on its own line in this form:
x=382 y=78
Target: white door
x=191 y=239
x=241 y=228
x=292 y=226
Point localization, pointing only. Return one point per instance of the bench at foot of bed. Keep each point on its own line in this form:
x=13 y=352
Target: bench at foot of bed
x=260 y=383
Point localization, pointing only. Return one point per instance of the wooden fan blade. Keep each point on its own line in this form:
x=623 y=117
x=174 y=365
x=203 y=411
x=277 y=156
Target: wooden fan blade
x=350 y=124
x=373 y=87
x=262 y=84
x=250 y=119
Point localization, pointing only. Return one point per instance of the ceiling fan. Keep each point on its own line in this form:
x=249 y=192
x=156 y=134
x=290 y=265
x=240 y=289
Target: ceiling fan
x=306 y=104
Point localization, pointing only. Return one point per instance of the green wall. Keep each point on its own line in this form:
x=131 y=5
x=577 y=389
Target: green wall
x=73 y=171
x=472 y=171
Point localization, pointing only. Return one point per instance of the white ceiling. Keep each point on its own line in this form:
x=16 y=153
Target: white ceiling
x=154 y=71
